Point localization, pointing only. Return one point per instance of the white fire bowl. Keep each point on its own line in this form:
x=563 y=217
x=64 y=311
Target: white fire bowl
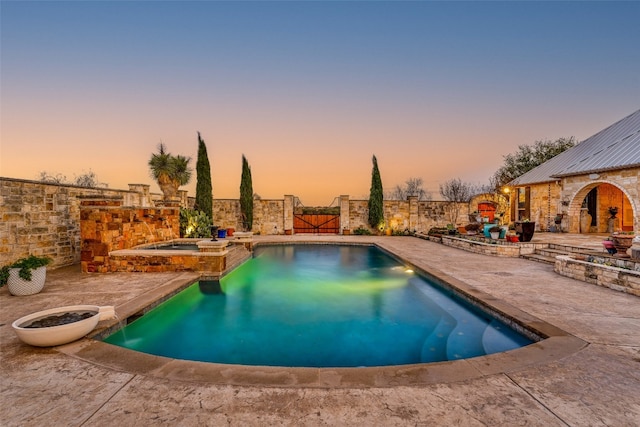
x=62 y=334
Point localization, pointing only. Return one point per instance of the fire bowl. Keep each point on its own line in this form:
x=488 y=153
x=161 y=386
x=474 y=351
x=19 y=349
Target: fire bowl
x=48 y=336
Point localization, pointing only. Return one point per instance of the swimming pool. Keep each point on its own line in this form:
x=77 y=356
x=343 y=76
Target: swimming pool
x=318 y=306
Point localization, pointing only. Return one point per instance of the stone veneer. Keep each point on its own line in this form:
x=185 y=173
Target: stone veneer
x=210 y=259
x=597 y=273
x=106 y=225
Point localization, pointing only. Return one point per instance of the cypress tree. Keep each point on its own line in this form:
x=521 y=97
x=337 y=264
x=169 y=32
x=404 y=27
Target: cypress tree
x=376 y=209
x=204 y=190
x=246 y=195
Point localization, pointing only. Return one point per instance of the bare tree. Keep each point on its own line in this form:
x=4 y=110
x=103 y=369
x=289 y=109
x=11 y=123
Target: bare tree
x=455 y=191
x=89 y=179
x=58 y=178
x=412 y=187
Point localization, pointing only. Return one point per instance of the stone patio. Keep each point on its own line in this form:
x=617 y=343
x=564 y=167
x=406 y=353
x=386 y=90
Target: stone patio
x=593 y=380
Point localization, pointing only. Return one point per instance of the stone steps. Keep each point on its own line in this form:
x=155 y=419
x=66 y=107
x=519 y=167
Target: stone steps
x=548 y=255
x=540 y=258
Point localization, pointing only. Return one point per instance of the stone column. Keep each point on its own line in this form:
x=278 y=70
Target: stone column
x=413 y=213
x=184 y=198
x=345 y=226
x=288 y=214
x=141 y=197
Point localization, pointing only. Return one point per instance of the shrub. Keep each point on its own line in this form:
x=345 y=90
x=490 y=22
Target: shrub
x=194 y=223
x=362 y=231
x=438 y=230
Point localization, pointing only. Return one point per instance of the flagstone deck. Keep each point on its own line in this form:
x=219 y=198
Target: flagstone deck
x=595 y=383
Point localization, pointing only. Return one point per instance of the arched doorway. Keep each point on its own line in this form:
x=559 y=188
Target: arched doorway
x=489 y=207
x=599 y=198
x=487 y=211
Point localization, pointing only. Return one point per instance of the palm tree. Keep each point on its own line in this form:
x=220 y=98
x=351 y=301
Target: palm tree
x=169 y=171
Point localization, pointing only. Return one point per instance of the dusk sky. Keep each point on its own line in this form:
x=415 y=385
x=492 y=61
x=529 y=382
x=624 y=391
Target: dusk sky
x=307 y=91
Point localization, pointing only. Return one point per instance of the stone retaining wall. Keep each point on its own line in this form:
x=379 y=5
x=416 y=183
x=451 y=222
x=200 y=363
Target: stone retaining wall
x=616 y=278
x=487 y=246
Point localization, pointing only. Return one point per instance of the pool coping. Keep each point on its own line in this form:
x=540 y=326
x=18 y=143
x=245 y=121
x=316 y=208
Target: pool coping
x=554 y=345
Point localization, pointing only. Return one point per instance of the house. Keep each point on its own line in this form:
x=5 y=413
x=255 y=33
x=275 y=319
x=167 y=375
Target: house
x=584 y=184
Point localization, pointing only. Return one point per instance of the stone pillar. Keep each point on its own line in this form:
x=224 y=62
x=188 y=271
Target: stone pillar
x=288 y=214
x=184 y=198
x=345 y=226
x=141 y=196
x=413 y=213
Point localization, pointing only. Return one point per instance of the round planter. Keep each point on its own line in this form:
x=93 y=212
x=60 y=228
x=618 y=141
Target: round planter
x=61 y=334
x=494 y=235
x=622 y=242
x=525 y=230
x=20 y=287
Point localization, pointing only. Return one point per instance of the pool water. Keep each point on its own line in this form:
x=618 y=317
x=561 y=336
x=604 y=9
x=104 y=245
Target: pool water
x=318 y=306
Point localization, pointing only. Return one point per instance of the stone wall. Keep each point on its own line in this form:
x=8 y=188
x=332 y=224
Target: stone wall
x=275 y=216
x=44 y=219
x=268 y=215
x=612 y=277
x=414 y=215
x=544 y=205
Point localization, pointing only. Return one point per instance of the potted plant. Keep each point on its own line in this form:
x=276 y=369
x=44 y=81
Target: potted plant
x=513 y=238
x=525 y=229
x=26 y=276
x=472 y=228
x=495 y=232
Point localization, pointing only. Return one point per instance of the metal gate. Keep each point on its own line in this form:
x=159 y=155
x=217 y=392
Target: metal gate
x=316 y=223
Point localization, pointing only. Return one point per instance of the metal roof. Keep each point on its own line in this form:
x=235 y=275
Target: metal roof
x=616 y=147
